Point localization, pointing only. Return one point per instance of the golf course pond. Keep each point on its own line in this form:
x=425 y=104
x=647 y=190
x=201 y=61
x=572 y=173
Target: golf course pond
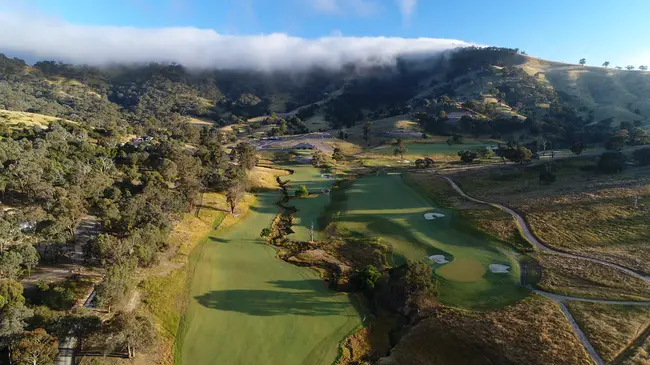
x=248 y=307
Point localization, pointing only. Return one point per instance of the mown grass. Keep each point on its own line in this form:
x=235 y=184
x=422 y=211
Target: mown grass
x=165 y=292
x=433 y=148
x=610 y=328
x=486 y=219
x=261 y=309
x=386 y=207
x=582 y=278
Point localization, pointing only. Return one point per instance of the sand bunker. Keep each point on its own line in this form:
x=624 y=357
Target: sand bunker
x=432 y=216
x=438 y=259
x=499 y=269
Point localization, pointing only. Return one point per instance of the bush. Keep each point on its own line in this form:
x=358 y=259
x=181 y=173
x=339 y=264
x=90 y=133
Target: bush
x=467 y=156
x=302 y=191
x=642 y=156
x=612 y=162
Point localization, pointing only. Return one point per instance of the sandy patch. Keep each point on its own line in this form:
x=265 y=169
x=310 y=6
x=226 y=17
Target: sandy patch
x=432 y=216
x=438 y=259
x=499 y=269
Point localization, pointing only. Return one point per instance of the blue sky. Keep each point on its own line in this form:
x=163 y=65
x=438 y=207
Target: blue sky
x=562 y=30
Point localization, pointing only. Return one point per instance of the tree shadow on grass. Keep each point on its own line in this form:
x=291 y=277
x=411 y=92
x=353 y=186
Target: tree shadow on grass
x=273 y=302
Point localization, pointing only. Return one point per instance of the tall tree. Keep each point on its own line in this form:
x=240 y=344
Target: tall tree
x=236 y=186
x=130 y=332
x=643 y=68
x=629 y=67
x=606 y=64
x=400 y=148
x=337 y=155
x=583 y=61
x=245 y=154
x=578 y=148
x=367 y=128
x=35 y=348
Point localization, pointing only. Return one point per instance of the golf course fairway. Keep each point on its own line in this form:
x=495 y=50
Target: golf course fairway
x=248 y=307
x=385 y=206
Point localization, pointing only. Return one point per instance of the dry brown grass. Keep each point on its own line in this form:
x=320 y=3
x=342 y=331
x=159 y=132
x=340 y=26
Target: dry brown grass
x=201 y=121
x=582 y=278
x=533 y=331
x=638 y=354
x=369 y=343
x=14 y=119
x=583 y=212
x=611 y=328
x=346 y=147
x=264 y=177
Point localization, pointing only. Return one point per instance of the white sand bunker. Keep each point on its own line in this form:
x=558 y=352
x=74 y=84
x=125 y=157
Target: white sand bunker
x=438 y=259
x=432 y=216
x=499 y=269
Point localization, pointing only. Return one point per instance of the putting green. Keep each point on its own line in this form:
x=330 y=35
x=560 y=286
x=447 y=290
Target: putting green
x=248 y=307
x=384 y=206
x=463 y=270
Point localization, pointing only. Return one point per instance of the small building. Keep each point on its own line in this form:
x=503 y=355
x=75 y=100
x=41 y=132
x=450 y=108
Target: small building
x=304 y=146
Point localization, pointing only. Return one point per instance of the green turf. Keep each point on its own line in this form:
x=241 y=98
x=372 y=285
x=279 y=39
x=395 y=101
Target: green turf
x=385 y=206
x=248 y=307
x=309 y=208
x=434 y=148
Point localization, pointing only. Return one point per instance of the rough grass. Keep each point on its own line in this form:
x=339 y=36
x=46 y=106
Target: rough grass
x=533 y=331
x=15 y=119
x=202 y=122
x=607 y=92
x=611 y=328
x=583 y=211
x=263 y=178
x=588 y=279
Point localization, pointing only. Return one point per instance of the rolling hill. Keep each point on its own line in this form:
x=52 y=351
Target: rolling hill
x=492 y=92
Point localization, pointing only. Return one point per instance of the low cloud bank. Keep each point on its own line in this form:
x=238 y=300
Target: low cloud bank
x=47 y=39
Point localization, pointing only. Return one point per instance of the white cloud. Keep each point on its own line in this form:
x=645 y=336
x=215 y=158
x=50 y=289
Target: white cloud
x=363 y=8
x=39 y=38
x=406 y=7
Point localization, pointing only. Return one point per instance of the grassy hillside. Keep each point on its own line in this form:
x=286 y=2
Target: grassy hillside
x=604 y=92
x=15 y=119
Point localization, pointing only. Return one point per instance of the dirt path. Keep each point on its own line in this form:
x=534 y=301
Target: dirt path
x=557 y=298
x=525 y=231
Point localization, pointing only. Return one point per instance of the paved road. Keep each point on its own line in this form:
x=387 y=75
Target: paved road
x=557 y=298
x=68 y=345
x=86 y=229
